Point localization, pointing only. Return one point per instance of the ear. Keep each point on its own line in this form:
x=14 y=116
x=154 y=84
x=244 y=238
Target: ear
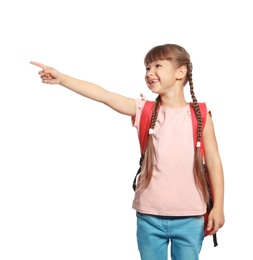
x=181 y=72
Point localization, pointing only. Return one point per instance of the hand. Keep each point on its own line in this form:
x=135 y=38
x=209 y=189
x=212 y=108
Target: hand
x=215 y=221
x=47 y=74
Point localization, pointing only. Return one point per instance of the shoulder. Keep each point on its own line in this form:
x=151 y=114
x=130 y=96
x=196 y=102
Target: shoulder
x=140 y=102
x=142 y=106
x=204 y=109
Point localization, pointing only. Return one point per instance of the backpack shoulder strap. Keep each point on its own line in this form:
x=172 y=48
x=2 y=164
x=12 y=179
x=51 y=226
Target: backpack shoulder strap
x=145 y=121
x=144 y=126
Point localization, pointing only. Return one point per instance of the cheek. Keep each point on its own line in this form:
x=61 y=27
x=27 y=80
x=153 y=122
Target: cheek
x=146 y=79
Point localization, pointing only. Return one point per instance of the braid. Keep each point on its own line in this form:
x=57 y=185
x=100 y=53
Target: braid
x=147 y=170
x=198 y=169
x=155 y=112
x=195 y=103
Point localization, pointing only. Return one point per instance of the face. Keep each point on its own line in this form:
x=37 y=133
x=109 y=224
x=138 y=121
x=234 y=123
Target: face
x=160 y=76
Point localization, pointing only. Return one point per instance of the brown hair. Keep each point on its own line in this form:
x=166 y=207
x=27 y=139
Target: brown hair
x=179 y=57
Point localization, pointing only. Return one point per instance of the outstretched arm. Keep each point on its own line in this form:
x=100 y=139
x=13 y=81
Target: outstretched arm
x=214 y=165
x=119 y=103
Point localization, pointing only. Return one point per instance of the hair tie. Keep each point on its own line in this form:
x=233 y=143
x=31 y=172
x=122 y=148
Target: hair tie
x=151 y=131
x=198 y=144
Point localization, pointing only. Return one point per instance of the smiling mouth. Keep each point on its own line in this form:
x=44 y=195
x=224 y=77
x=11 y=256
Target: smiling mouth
x=153 y=81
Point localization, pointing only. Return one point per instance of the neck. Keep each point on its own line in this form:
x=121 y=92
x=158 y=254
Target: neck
x=174 y=102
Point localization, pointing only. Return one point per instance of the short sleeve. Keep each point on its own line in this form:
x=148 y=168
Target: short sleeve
x=139 y=106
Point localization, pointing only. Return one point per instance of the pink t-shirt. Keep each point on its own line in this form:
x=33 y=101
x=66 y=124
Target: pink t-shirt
x=172 y=190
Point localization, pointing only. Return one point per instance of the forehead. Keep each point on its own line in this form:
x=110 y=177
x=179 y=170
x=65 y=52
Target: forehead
x=164 y=62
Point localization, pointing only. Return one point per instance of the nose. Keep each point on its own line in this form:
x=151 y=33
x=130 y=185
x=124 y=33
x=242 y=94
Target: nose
x=150 y=73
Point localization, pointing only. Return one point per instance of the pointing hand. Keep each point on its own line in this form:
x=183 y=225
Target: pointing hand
x=47 y=74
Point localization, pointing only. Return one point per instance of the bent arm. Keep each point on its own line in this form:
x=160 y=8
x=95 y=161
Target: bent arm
x=119 y=103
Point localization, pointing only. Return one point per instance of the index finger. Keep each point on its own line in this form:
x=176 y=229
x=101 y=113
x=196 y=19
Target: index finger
x=43 y=66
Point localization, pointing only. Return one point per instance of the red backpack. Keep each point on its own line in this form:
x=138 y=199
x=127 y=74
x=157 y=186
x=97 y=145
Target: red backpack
x=145 y=121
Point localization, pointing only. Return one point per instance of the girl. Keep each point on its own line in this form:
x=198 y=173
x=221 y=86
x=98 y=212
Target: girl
x=171 y=194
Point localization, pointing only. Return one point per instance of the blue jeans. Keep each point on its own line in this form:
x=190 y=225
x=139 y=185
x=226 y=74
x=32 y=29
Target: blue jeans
x=154 y=233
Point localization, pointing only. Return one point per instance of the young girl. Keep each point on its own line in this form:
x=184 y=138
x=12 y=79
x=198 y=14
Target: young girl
x=171 y=195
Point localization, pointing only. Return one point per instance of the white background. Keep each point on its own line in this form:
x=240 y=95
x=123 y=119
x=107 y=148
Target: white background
x=67 y=163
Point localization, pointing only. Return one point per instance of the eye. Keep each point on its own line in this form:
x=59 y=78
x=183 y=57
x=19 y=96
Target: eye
x=158 y=65
x=147 y=68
